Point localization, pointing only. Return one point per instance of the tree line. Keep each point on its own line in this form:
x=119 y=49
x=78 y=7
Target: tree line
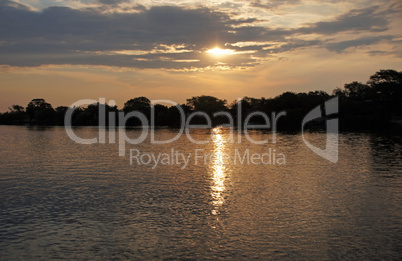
x=374 y=104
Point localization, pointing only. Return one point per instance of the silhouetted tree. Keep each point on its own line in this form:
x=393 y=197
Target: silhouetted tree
x=60 y=114
x=137 y=104
x=17 y=114
x=209 y=105
x=161 y=115
x=141 y=104
x=371 y=105
x=361 y=106
x=387 y=84
x=339 y=92
x=358 y=91
x=40 y=112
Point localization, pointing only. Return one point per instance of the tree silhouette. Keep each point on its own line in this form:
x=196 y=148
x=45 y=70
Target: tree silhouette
x=60 y=113
x=137 y=104
x=362 y=106
x=141 y=104
x=371 y=105
x=209 y=105
x=387 y=84
x=40 y=112
x=358 y=91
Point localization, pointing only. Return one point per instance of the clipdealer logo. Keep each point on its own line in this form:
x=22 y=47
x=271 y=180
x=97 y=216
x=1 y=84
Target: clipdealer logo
x=118 y=131
x=331 y=108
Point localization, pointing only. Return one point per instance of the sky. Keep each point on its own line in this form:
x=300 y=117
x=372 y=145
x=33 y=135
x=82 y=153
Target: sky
x=64 y=51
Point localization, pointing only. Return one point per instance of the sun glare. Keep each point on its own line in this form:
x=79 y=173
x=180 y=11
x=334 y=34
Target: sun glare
x=218 y=51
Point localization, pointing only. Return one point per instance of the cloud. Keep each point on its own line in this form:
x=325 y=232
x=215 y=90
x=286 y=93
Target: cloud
x=6 y=5
x=367 y=19
x=113 y=2
x=62 y=35
x=364 y=41
x=167 y=37
x=273 y=3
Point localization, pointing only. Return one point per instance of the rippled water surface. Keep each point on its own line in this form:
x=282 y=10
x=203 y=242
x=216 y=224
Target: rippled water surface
x=63 y=200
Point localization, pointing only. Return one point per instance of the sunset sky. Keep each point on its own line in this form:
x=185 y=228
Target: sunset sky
x=64 y=51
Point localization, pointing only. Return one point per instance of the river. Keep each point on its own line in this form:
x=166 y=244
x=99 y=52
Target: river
x=64 y=200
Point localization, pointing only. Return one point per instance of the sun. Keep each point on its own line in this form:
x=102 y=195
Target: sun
x=219 y=52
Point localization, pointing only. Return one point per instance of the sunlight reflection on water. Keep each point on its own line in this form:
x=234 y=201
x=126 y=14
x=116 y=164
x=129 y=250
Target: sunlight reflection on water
x=219 y=174
x=62 y=200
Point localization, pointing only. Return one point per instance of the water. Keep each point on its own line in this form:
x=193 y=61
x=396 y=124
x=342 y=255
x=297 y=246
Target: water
x=62 y=200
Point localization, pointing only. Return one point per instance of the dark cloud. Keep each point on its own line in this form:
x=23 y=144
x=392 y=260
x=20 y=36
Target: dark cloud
x=113 y=2
x=377 y=52
x=9 y=5
x=273 y=3
x=91 y=30
x=159 y=37
x=60 y=35
x=368 y=19
x=364 y=41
